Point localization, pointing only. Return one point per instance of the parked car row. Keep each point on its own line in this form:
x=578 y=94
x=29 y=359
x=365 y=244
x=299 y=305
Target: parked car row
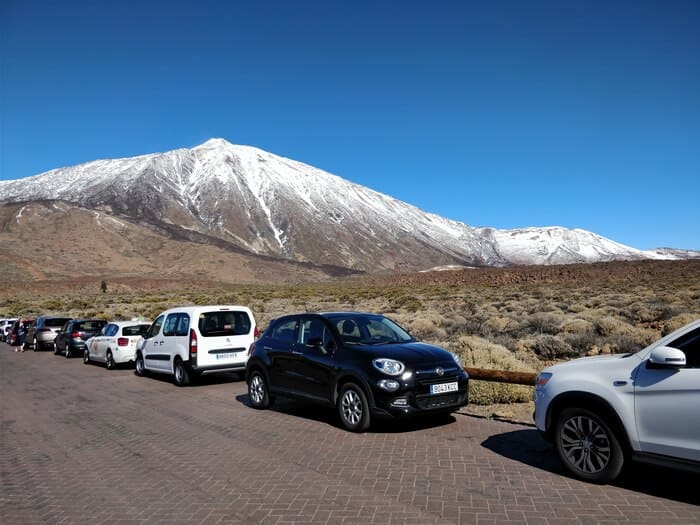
x=599 y=412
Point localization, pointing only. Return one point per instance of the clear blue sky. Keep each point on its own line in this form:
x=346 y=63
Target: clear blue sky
x=584 y=114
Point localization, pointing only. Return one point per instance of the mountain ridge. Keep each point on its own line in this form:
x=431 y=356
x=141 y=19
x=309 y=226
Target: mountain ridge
x=263 y=204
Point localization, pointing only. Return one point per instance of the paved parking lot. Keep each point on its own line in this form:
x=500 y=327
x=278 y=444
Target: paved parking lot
x=80 y=444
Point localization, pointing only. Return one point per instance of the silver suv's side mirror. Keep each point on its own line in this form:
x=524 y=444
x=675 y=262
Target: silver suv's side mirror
x=667 y=357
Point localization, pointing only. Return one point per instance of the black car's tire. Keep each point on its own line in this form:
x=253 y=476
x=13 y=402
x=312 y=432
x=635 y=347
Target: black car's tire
x=55 y=349
x=109 y=360
x=139 y=365
x=86 y=357
x=180 y=375
x=69 y=354
x=587 y=446
x=35 y=345
x=258 y=391
x=353 y=408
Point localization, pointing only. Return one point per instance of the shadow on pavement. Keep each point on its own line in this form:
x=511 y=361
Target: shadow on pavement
x=528 y=447
x=329 y=416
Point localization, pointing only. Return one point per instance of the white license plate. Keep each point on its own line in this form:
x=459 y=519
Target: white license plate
x=444 y=387
x=228 y=355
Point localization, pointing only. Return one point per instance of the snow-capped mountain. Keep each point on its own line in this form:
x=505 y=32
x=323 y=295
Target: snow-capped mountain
x=247 y=199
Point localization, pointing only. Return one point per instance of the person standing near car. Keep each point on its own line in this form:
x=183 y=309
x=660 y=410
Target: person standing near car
x=21 y=336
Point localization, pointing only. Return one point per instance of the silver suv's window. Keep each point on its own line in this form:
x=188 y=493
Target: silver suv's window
x=56 y=322
x=216 y=324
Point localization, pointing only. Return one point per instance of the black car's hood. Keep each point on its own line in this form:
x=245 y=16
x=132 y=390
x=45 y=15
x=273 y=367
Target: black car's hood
x=412 y=353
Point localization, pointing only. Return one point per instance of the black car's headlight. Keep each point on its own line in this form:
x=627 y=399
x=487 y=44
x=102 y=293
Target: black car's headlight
x=390 y=367
x=457 y=359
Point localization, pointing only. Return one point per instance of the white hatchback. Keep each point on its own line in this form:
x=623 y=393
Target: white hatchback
x=190 y=341
x=116 y=344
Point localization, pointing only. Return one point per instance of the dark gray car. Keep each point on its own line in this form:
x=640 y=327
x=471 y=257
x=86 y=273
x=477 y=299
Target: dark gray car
x=70 y=340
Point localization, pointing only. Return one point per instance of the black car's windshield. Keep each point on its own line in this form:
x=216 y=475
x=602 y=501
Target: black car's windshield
x=365 y=329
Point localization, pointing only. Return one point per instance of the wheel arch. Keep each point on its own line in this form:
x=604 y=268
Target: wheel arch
x=350 y=377
x=593 y=403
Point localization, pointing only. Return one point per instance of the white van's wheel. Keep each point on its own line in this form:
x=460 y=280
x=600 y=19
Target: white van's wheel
x=139 y=366
x=182 y=378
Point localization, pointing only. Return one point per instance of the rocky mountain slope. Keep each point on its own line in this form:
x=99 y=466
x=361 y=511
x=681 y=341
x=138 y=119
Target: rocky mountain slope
x=247 y=201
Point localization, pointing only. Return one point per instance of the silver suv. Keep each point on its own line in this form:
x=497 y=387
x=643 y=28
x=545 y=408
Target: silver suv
x=600 y=412
x=42 y=332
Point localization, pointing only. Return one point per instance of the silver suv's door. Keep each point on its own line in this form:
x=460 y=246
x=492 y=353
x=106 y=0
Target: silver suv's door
x=666 y=403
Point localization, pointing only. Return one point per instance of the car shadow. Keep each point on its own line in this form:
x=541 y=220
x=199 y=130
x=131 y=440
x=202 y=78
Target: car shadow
x=329 y=416
x=528 y=447
x=205 y=380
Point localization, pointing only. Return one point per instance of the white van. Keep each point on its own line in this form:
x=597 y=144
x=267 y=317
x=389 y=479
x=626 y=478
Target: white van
x=195 y=340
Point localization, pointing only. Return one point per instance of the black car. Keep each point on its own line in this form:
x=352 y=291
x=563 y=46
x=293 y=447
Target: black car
x=70 y=340
x=363 y=364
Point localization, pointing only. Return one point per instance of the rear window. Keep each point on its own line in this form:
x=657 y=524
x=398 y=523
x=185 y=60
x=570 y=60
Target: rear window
x=89 y=326
x=56 y=322
x=215 y=324
x=139 y=329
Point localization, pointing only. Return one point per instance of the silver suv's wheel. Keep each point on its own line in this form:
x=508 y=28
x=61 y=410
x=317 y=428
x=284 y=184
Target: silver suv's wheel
x=353 y=408
x=587 y=446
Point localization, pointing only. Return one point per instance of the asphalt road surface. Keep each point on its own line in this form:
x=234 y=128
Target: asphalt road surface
x=81 y=444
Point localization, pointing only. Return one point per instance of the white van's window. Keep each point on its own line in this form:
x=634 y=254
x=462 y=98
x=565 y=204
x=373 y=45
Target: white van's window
x=216 y=324
x=155 y=327
x=177 y=325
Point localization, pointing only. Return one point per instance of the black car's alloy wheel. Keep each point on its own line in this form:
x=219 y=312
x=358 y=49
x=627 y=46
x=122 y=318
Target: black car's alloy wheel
x=86 y=357
x=258 y=392
x=35 y=345
x=353 y=408
x=587 y=446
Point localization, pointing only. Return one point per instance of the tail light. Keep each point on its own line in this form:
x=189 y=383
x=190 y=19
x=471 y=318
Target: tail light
x=123 y=341
x=193 y=347
x=250 y=349
x=76 y=335
x=256 y=333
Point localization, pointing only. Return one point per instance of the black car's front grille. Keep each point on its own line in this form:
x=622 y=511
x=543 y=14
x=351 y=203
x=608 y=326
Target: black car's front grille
x=440 y=400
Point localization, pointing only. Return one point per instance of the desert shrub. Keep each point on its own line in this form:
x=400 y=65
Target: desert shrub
x=577 y=326
x=454 y=324
x=544 y=323
x=407 y=302
x=476 y=352
x=51 y=305
x=640 y=337
x=582 y=343
x=548 y=347
x=622 y=344
x=650 y=312
x=427 y=327
x=679 y=321
x=499 y=325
